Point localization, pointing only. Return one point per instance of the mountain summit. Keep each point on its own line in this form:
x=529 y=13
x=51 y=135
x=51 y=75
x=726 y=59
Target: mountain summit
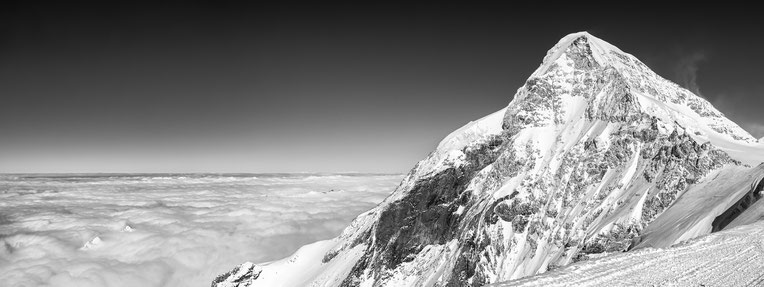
x=596 y=154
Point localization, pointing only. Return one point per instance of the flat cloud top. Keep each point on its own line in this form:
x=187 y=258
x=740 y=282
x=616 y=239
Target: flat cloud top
x=168 y=231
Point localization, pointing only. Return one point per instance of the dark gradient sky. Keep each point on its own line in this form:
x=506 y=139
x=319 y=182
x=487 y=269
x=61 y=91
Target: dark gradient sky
x=203 y=87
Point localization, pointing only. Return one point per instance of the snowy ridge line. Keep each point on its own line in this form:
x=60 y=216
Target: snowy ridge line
x=663 y=98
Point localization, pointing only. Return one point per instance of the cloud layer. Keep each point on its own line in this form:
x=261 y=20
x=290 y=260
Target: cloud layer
x=167 y=231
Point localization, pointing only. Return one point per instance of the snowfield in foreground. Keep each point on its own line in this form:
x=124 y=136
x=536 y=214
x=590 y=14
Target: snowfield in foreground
x=729 y=258
x=167 y=230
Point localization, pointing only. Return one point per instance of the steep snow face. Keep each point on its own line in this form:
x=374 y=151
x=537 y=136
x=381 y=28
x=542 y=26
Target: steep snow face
x=590 y=157
x=581 y=57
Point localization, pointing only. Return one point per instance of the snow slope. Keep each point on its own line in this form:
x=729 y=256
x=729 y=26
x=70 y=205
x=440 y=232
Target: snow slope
x=693 y=213
x=729 y=258
x=595 y=154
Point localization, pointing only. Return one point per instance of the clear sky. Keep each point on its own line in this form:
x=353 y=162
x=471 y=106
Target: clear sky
x=190 y=86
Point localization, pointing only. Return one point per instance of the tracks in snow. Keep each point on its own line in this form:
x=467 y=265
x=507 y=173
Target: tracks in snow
x=729 y=258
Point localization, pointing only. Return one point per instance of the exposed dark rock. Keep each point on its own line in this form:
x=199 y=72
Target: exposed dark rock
x=516 y=212
x=354 y=278
x=426 y=214
x=581 y=54
x=748 y=199
x=616 y=240
x=251 y=273
x=329 y=256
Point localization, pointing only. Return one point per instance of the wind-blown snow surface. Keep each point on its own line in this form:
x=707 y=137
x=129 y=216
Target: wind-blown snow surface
x=729 y=258
x=596 y=154
x=168 y=230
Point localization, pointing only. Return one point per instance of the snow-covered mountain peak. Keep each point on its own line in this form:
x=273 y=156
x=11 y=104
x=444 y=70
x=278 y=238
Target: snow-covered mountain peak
x=582 y=45
x=584 y=77
x=595 y=154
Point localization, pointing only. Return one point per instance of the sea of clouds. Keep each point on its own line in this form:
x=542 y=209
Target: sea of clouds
x=175 y=230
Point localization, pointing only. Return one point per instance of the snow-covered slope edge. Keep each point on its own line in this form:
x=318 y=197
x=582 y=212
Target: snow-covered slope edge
x=595 y=154
x=732 y=257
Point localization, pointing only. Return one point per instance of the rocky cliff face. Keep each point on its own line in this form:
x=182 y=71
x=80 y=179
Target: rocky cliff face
x=591 y=152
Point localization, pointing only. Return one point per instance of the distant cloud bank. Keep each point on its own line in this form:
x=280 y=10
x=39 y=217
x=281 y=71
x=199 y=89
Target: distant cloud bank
x=167 y=231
